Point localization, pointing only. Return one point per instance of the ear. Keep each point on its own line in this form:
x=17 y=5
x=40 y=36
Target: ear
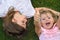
x=14 y=20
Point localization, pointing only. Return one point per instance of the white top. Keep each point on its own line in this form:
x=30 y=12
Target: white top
x=52 y=34
x=24 y=6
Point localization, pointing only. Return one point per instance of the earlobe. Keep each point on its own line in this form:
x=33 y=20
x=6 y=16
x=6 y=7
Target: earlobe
x=13 y=20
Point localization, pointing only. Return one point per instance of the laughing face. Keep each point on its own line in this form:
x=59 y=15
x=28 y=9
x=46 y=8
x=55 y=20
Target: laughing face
x=47 y=20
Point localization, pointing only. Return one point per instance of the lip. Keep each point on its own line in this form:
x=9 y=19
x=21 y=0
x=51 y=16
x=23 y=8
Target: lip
x=48 y=23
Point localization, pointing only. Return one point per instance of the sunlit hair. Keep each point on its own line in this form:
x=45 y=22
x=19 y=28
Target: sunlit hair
x=55 y=17
x=37 y=17
x=10 y=15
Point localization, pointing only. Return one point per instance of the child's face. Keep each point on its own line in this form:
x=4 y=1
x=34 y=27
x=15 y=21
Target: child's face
x=20 y=19
x=47 y=20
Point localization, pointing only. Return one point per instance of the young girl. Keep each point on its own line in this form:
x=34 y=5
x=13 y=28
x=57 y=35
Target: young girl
x=13 y=24
x=47 y=24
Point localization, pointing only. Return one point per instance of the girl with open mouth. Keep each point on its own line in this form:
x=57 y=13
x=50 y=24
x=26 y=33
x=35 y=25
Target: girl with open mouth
x=47 y=24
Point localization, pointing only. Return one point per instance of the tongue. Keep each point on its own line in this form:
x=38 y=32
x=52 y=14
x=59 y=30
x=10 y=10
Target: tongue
x=47 y=23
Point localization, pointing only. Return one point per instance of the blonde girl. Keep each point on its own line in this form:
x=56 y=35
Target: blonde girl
x=47 y=24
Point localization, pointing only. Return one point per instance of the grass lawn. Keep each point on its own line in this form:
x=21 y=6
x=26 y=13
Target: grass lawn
x=54 y=4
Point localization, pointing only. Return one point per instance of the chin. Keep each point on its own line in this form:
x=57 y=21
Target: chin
x=47 y=27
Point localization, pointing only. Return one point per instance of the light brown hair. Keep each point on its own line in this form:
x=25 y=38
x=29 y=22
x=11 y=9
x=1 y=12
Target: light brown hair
x=10 y=27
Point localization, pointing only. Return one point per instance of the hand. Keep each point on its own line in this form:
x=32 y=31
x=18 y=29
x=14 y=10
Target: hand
x=37 y=15
x=44 y=8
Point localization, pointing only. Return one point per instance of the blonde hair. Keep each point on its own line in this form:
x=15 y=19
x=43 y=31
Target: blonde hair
x=55 y=17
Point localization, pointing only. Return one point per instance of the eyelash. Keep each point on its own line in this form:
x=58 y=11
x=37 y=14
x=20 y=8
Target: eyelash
x=43 y=19
x=48 y=18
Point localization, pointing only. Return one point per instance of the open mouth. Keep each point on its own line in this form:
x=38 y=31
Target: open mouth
x=48 y=23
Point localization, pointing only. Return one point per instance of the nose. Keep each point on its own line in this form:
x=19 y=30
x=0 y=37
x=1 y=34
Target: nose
x=47 y=19
x=25 y=19
x=24 y=22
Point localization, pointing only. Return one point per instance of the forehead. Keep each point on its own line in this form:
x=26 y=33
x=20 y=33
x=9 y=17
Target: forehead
x=17 y=15
x=46 y=15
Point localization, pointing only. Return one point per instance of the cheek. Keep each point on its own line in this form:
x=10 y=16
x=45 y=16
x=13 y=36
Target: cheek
x=52 y=20
x=42 y=22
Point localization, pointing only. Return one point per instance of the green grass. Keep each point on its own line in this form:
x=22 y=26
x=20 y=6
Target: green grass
x=30 y=35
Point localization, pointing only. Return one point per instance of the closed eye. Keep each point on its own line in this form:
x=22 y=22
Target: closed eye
x=43 y=19
x=48 y=17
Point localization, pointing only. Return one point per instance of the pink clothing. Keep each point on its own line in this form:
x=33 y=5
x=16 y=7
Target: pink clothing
x=52 y=34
